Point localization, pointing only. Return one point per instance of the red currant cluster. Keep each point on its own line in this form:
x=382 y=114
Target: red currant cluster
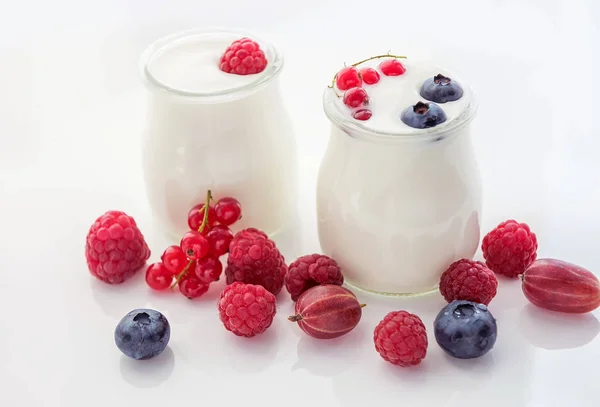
x=195 y=263
x=351 y=80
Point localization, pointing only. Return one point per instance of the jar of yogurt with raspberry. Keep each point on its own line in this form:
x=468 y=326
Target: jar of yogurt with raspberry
x=399 y=190
x=215 y=120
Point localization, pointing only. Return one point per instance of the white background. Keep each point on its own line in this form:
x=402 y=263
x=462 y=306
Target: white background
x=71 y=110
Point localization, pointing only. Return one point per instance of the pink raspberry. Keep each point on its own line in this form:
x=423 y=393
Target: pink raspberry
x=115 y=248
x=246 y=309
x=401 y=339
x=243 y=57
x=312 y=270
x=254 y=259
x=468 y=280
x=510 y=248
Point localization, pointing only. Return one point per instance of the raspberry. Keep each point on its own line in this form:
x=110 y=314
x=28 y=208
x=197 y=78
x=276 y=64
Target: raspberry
x=243 y=57
x=510 y=248
x=468 y=280
x=401 y=339
x=115 y=248
x=309 y=271
x=254 y=259
x=246 y=309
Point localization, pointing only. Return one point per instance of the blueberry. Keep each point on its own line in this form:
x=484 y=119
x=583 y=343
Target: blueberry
x=423 y=115
x=465 y=329
x=441 y=89
x=142 y=334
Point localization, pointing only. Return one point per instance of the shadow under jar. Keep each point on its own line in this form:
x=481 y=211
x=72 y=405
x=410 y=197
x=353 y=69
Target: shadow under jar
x=207 y=129
x=396 y=209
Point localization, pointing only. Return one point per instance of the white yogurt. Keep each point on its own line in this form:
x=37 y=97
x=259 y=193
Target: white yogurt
x=397 y=205
x=210 y=129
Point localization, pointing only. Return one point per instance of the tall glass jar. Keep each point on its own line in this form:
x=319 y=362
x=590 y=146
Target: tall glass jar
x=206 y=129
x=395 y=210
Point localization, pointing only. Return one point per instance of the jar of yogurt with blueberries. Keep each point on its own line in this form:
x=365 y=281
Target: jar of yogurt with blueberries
x=399 y=191
x=216 y=120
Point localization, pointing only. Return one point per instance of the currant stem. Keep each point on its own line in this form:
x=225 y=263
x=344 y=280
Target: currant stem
x=183 y=272
x=388 y=55
x=295 y=318
x=206 y=207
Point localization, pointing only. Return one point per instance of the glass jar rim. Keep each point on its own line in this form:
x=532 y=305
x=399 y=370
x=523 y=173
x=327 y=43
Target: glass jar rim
x=274 y=55
x=358 y=129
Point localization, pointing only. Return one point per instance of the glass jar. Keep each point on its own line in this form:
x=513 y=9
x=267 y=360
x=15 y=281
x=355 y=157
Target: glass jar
x=232 y=134
x=395 y=210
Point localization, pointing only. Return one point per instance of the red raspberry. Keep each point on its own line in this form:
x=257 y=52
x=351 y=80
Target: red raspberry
x=312 y=270
x=510 y=248
x=468 y=280
x=115 y=248
x=243 y=57
x=401 y=339
x=254 y=259
x=246 y=309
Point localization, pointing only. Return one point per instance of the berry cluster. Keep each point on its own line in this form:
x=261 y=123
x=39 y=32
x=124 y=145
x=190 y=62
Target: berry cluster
x=195 y=263
x=352 y=79
x=243 y=57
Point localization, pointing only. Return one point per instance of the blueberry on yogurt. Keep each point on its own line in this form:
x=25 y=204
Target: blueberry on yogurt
x=142 y=334
x=423 y=115
x=441 y=89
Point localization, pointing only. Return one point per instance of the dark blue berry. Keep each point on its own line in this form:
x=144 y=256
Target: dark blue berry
x=465 y=329
x=142 y=334
x=423 y=115
x=441 y=89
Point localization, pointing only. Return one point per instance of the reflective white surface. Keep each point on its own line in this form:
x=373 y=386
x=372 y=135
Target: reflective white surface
x=70 y=123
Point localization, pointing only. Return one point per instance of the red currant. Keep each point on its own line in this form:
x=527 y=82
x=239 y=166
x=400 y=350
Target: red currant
x=174 y=259
x=356 y=97
x=392 y=67
x=196 y=216
x=158 y=277
x=348 y=78
x=191 y=287
x=219 y=238
x=208 y=269
x=369 y=76
x=228 y=210
x=194 y=245
x=362 y=114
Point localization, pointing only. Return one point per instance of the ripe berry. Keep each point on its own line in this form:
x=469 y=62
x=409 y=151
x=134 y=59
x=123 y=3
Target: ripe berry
x=219 y=238
x=254 y=259
x=392 y=67
x=362 y=114
x=401 y=339
x=228 y=211
x=356 y=97
x=196 y=216
x=441 y=89
x=174 y=259
x=191 y=287
x=369 y=76
x=465 y=329
x=348 y=78
x=158 y=277
x=309 y=271
x=243 y=57
x=423 y=115
x=142 y=334
x=115 y=248
x=208 y=269
x=194 y=245
x=468 y=280
x=510 y=248
x=246 y=309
